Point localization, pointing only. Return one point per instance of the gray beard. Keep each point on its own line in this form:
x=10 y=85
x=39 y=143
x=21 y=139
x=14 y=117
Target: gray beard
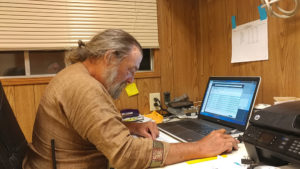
x=114 y=89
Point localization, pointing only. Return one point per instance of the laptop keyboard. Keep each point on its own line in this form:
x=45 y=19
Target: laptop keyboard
x=190 y=130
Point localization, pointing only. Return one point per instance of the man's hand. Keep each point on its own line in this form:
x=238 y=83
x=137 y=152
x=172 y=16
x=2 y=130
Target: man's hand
x=147 y=129
x=211 y=145
x=216 y=143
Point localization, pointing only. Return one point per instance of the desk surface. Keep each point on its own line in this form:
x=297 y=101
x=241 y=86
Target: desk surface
x=232 y=161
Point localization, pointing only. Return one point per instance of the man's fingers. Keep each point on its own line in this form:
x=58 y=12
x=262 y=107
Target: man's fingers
x=154 y=133
x=154 y=130
x=231 y=144
x=235 y=146
x=147 y=134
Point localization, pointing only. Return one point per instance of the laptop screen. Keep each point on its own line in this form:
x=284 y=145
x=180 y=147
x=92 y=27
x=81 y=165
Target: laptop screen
x=229 y=99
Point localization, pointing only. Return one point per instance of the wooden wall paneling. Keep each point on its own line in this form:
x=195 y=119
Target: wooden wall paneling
x=126 y=102
x=10 y=95
x=156 y=63
x=220 y=58
x=165 y=52
x=282 y=70
x=210 y=30
x=216 y=38
x=25 y=109
x=38 y=93
x=184 y=27
x=246 y=11
x=147 y=86
x=231 y=10
x=290 y=58
x=296 y=62
x=201 y=44
x=204 y=49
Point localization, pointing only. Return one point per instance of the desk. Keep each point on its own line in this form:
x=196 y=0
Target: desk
x=232 y=161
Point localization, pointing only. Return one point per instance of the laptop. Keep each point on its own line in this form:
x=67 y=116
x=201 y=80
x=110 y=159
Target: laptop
x=227 y=103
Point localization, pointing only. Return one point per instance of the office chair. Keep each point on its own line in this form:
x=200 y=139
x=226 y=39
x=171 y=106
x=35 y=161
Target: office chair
x=13 y=144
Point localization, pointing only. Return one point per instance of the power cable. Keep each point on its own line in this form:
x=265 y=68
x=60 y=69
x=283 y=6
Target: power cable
x=284 y=13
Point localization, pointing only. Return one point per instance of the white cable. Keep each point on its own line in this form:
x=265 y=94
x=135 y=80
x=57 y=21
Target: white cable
x=284 y=13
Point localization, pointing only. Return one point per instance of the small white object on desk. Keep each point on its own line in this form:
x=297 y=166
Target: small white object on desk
x=262 y=106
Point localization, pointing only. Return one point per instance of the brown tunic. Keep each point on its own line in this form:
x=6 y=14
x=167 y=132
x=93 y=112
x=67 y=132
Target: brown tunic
x=79 y=114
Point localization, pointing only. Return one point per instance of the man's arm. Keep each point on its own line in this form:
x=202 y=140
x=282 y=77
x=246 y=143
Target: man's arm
x=213 y=144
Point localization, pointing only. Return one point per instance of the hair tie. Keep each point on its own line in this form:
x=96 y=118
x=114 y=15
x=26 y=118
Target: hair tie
x=80 y=44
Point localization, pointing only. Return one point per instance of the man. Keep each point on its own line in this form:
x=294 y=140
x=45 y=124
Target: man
x=78 y=112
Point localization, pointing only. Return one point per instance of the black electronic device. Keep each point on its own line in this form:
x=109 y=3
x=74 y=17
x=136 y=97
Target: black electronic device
x=273 y=135
x=181 y=102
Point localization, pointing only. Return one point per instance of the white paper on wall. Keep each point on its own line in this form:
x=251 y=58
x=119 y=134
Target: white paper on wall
x=250 y=42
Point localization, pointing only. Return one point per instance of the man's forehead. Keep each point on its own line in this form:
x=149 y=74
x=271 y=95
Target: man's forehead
x=134 y=58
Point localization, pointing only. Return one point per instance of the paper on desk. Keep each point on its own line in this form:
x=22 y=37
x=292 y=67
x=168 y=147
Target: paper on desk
x=166 y=138
x=232 y=161
x=250 y=42
x=224 y=163
x=220 y=163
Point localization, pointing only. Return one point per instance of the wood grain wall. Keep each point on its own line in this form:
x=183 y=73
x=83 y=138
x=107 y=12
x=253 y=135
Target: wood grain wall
x=195 y=43
x=178 y=35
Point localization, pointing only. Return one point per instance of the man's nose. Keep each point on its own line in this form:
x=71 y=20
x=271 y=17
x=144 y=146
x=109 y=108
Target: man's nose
x=130 y=79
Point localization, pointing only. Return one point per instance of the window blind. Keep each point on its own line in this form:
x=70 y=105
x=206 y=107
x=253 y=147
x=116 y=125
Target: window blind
x=59 y=24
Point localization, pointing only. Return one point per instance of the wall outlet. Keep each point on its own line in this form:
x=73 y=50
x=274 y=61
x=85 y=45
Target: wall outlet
x=151 y=101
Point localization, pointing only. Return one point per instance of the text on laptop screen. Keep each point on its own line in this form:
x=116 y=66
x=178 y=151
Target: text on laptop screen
x=229 y=100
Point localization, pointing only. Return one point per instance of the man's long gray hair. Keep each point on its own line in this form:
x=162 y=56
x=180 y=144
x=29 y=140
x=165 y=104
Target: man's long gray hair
x=117 y=41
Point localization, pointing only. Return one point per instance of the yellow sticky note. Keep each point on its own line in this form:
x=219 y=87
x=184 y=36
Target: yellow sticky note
x=131 y=89
x=155 y=116
x=204 y=159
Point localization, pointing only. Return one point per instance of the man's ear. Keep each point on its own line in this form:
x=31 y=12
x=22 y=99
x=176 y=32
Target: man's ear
x=108 y=57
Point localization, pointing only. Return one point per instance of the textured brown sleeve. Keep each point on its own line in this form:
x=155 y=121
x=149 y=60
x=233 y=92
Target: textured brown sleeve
x=159 y=153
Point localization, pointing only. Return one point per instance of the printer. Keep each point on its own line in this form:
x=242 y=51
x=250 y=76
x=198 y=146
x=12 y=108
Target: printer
x=273 y=135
